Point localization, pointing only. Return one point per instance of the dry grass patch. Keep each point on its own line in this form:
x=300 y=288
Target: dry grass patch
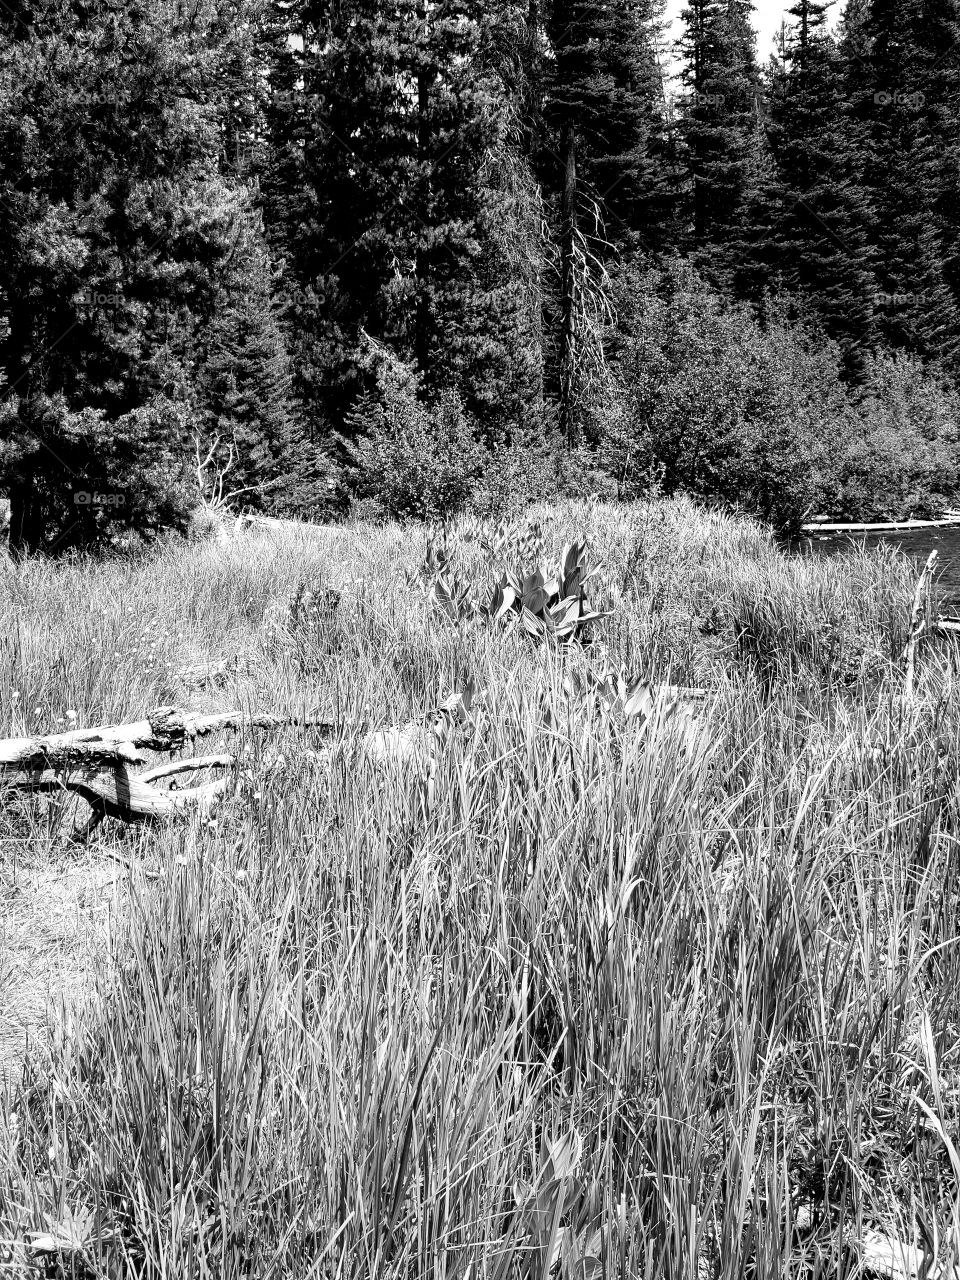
x=57 y=917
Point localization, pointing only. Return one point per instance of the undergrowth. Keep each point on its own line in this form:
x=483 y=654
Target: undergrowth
x=616 y=1001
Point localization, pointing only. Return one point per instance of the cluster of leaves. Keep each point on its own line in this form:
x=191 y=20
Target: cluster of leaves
x=560 y=1215
x=506 y=541
x=411 y=458
x=554 y=608
x=629 y=700
x=305 y=626
x=705 y=398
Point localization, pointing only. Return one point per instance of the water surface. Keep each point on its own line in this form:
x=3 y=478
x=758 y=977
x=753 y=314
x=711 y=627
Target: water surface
x=916 y=543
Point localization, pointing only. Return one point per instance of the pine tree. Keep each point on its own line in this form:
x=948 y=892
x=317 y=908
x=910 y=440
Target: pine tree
x=606 y=109
x=906 y=100
x=606 y=97
x=282 y=124
x=242 y=385
x=720 y=125
x=815 y=242
x=113 y=226
x=399 y=235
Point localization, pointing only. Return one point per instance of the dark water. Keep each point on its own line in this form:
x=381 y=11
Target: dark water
x=916 y=543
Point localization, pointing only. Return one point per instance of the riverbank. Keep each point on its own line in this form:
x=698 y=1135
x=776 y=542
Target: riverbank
x=684 y=963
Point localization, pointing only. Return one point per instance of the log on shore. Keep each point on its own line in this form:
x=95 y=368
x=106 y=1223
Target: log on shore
x=891 y=526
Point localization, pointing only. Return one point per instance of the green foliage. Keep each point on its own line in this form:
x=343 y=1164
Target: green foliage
x=902 y=457
x=114 y=222
x=548 y=608
x=202 y=216
x=416 y=460
x=704 y=397
x=812 y=217
x=606 y=85
x=906 y=95
x=399 y=233
x=94 y=477
x=242 y=385
x=716 y=403
x=724 y=149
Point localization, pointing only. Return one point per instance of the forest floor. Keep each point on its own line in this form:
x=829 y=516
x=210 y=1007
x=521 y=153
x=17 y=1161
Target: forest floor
x=634 y=955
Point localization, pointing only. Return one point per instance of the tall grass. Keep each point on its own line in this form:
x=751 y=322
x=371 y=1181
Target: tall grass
x=609 y=1005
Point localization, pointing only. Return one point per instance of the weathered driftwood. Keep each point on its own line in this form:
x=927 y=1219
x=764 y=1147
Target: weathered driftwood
x=164 y=729
x=884 y=526
x=95 y=764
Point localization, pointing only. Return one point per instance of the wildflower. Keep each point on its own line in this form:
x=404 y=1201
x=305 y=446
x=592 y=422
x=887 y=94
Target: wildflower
x=72 y=717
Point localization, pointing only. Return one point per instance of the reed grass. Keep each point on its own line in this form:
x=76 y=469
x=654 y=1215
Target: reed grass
x=607 y=1006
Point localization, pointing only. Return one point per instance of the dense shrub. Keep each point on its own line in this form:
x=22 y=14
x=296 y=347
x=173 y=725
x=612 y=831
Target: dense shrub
x=902 y=459
x=97 y=481
x=710 y=400
x=412 y=459
x=409 y=457
x=714 y=402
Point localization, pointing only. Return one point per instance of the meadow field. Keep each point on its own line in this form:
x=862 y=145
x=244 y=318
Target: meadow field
x=630 y=952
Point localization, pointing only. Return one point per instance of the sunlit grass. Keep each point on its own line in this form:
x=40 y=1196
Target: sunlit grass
x=339 y=1034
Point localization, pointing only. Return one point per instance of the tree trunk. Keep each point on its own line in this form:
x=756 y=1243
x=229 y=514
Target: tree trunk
x=568 y=300
x=421 y=341
x=26 y=531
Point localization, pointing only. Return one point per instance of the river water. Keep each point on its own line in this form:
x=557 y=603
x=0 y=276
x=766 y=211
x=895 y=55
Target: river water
x=916 y=543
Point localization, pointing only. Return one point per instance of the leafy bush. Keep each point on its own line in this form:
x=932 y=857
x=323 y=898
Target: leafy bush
x=705 y=399
x=415 y=460
x=516 y=472
x=902 y=458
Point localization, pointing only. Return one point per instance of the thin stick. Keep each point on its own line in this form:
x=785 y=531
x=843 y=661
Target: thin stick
x=192 y=765
x=918 y=622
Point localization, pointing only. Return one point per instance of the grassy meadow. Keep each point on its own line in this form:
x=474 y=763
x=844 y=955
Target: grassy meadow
x=669 y=995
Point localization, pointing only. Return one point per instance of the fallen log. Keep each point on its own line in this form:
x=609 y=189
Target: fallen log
x=120 y=794
x=883 y=526
x=164 y=729
x=95 y=763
